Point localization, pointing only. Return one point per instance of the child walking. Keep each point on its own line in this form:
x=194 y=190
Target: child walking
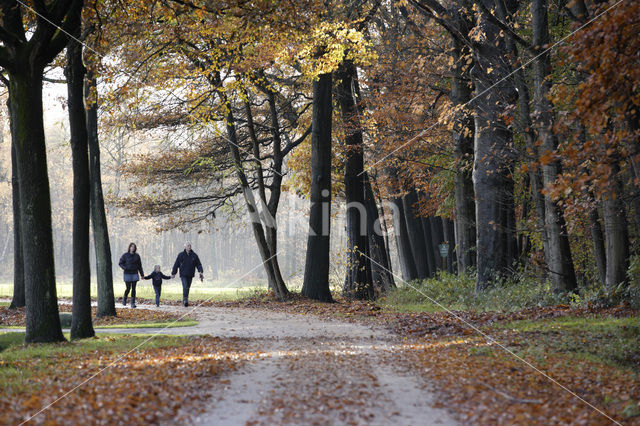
x=157 y=276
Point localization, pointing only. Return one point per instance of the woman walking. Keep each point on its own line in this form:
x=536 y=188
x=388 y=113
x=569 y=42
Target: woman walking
x=132 y=265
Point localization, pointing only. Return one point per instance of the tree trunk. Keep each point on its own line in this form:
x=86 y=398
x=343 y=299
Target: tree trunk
x=463 y=152
x=616 y=231
x=448 y=226
x=415 y=231
x=598 y=244
x=405 y=253
x=432 y=262
x=274 y=199
x=356 y=284
x=25 y=93
x=559 y=260
x=524 y=239
x=381 y=274
x=437 y=237
x=81 y=326
x=381 y=215
x=101 y=243
x=316 y=271
x=493 y=155
x=18 y=299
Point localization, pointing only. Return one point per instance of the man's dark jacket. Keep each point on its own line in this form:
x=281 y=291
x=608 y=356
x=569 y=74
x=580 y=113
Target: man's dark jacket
x=188 y=263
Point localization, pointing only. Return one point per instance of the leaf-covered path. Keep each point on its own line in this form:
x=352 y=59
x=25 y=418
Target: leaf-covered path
x=312 y=371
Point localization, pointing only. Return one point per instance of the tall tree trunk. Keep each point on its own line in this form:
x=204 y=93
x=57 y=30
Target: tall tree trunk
x=559 y=260
x=616 y=230
x=101 y=243
x=449 y=230
x=316 y=270
x=18 y=299
x=383 y=220
x=493 y=154
x=381 y=274
x=81 y=326
x=356 y=284
x=25 y=93
x=414 y=228
x=405 y=253
x=274 y=199
x=524 y=239
x=598 y=244
x=437 y=237
x=463 y=152
x=432 y=262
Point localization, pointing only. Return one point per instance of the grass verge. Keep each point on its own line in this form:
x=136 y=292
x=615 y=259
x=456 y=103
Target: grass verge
x=14 y=355
x=611 y=341
x=166 y=380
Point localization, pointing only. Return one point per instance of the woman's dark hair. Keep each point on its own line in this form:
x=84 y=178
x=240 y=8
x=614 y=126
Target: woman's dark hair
x=135 y=247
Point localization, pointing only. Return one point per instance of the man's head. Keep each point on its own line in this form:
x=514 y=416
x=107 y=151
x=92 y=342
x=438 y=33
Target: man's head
x=187 y=246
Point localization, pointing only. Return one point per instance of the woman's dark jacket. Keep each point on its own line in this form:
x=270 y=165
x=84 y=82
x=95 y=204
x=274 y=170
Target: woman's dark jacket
x=157 y=277
x=131 y=263
x=188 y=263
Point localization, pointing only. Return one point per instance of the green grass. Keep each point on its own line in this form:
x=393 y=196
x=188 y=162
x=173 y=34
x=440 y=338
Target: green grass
x=171 y=289
x=612 y=341
x=10 y=339
x=16 y=376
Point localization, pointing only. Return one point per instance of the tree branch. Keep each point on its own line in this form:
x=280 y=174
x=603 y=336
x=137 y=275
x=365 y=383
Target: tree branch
x=430 y=9
x=504 y=27
x=297 y=142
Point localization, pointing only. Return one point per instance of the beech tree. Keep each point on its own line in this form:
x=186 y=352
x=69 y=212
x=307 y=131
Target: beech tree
x=101 y=241
x=81 y=326
x=18 y=298
x=358 y=283
x=316 y=270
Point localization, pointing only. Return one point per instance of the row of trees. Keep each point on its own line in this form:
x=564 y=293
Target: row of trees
x=535 y=173
x=473 y=121
x=479 y=130
x=32 y=37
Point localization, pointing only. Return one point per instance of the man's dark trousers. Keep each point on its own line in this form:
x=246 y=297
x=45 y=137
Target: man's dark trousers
x=186 y=285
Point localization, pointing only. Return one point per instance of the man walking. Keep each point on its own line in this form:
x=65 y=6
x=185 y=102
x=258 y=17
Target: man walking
x=187 y=261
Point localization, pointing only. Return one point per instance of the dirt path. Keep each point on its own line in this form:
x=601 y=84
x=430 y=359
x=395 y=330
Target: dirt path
x=307 y=370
